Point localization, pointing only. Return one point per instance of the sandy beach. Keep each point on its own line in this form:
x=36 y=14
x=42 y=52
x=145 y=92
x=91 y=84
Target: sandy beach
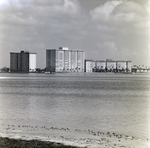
x=35 y=136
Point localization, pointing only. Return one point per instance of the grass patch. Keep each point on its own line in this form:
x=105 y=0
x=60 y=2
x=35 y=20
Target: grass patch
x=19 y=143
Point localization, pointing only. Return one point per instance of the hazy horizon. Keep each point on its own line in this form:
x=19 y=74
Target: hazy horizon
x=106 y=29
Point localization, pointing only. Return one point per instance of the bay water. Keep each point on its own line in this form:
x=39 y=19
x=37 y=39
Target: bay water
x=107 y=102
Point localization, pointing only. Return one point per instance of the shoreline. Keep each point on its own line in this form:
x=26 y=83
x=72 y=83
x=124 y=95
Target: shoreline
x=29 y=136
x=6 y=142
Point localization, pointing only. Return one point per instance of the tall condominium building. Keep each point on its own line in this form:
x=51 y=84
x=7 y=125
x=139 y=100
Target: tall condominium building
x=22 y=62
x=64 y=60
x=32 y=62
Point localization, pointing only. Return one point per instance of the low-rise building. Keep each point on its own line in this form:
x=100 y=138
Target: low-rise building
x=110 y=65
x=107 y=66
x=100 y=65
x=89 y=65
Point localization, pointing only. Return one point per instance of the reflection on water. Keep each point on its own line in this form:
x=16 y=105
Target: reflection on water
x=117 y=103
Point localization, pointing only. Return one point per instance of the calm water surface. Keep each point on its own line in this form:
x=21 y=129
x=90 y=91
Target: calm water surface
x=108 y=102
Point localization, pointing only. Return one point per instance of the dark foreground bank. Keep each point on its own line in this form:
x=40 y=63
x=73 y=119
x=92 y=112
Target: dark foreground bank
x=18 y=143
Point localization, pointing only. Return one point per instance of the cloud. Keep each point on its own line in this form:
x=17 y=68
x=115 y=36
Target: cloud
x=119 y=11
x=130 y=11
x=104 y=11
x=71 y=7
x=41 y=7
x=107 y=31
x=45 y=13
x=35 y=25
x=147 y=7
x=126 y=23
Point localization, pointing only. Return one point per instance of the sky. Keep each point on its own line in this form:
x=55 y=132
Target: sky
x=104 y=29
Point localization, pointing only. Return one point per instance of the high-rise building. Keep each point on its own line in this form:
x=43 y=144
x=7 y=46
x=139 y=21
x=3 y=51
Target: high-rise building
x=22 y=62
x=32 y=62
x=13 y=62
x=64 y=60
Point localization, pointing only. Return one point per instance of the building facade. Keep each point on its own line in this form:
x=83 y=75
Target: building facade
x=22 y=62
x=108 y=66
x=100 y=66
x=64 y=60
x=89 y=66
x=13 y=62
x=32 y=62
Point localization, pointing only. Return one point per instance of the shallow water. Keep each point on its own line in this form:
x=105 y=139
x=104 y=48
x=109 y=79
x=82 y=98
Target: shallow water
x=116 y=103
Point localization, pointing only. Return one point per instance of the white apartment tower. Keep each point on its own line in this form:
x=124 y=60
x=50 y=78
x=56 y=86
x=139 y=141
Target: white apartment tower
x=64 y=60
x=32 y=62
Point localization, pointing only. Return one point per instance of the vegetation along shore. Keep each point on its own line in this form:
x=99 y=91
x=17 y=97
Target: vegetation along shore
x=18 y=143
